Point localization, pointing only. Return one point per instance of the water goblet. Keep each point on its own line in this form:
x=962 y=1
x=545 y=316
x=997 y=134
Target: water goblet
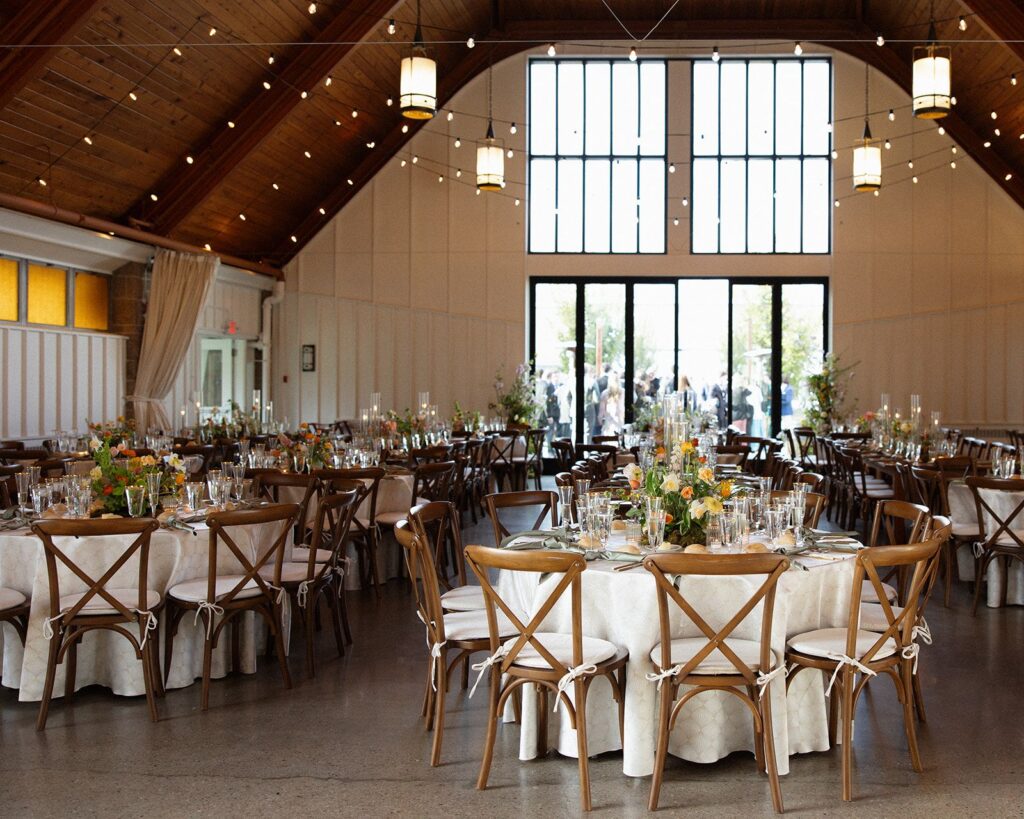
x=655 y=529
x=136 y=497
x=713 y=532
x=40 y=495
x=24 y=482
x=193 y=495
x=153 y=490
x=582 y=487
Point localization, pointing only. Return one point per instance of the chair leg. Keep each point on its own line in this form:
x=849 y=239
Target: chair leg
x=148 y=677
x=343 y=611
x=428 y=700
x=309 y=629
x=170 y=627
x=493 y=692
x=979 y=574
x=665 y=709
x=51 y=674
x=334 y=603
x=375 y=542
x=542 y=720
x=465 y=672
x=441 y=672
x=768 y=737
x=207 y=661
x=906 y=672
x=846 y=676
x=581 y=741
x=949 y=553
x=71 y=669
x=275 y=616
x=918 y=698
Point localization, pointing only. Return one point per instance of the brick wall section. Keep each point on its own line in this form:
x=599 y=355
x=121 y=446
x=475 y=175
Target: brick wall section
x=128 y=315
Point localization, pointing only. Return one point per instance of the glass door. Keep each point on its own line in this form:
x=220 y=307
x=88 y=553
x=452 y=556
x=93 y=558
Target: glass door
x=803 y=347
x=604 y=368
x=752 y=358
x=554 y=359
x=216 y=376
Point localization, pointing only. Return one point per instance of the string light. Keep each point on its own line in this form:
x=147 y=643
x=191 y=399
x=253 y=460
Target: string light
x=914 y=179
x=350 y=182
x=892 y=115
x=512 y=128
x=190 y=159
x=952 y=164
x=41 y=181
x=133 y=96
x=440 y=178
x=307 y=154
x=798 y=49
x=551 y=50
x=995 y=115
x=390 y=102
x=87 y=139
x=962 y=23
x=880 y=40
x=632 y=54
x=910 y=164
x=1013 y=79
x=337 y=122
x=676 y=221
x=312 y=8
x=997 y=132
x=213 y=32
x=458 y=173
x=231 y=124
x=266 y=84
x=836 y=203
x=270 y=59
x=153 y=196
x=672 y=167
x=295 y=239
x=355 y=113
x=988 y=144
x=241 y=216
x=177 y=51
x=715 y=55
x=415 y=159
x=405 y=128
x=888 y=145
x=391 y=26
x=403 y=163
x=328 y=80
x=451 y=116
x=835 y=154
x=942 y=131
x=953 y=149
x=517 y=202
x=304 y=94
x=1008 y=177
x=371 y=144
x=207 y=247
x=470 y=43
x=686 y=202
x=458 y=142
x=275 y=186
x=323 y=212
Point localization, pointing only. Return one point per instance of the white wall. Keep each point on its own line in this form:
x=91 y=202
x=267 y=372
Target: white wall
x=419 y=285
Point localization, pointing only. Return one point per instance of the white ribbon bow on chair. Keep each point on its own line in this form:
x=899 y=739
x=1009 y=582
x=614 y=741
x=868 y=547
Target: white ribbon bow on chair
x=660 y=676
x=483 y=665
x=764 y=680
x=573 y=674
x=213 y=608
x=147 y=623
x=842 y=660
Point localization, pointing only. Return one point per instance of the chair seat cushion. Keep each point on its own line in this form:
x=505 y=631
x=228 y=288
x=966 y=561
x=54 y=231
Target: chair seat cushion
x=290 y=572
x=595 y=650
x=872 y=616
x=826 y=641
x=463 y=598
x=472 y=625
x=300 y=554
x=194 y=591
x=99 y=605
x=391 y=518
x=749 y=652
x=11 y=598
x=880 y=494
x=966 y=530
x=869 y=594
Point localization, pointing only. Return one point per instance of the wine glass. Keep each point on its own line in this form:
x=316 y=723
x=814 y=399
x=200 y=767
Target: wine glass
x=136 y=497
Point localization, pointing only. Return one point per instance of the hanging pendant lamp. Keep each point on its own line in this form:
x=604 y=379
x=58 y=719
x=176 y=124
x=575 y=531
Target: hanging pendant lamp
x=418 y=87
x=490 y=154
x=932 y=77
x=867 y=155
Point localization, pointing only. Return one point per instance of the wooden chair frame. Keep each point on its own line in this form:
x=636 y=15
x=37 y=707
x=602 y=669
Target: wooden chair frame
x=990 y=547
x=365 y=536
x=437 y=526
x=571 y=567
x=664 y=569
x=545 y=499
x=71 y=625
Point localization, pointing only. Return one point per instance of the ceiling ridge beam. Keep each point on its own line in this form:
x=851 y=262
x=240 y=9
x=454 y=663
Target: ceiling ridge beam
x=38 y=24
x=807 y=29
x=182 y=190
x=1004 y=19
x=452 y=81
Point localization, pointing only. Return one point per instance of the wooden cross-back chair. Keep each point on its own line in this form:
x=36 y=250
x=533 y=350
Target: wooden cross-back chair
x=456 y=635
x=8 y=485
x=298 y=487
x=735 y=454
x=433 y=481
x=500 y=459
x=101 y=607
x=204 y=451
x=565 y=453
x=845 y=653
x=601 y=458
x=896 y=522
x=1002 y=527
x=532 y=463
x=718 y=660
x=229 y=595
x=436 y=524
x=814 y=505
x=545 y=500
x=760 y=449
x=551 y=661
x=364 y=531
x=806 y=452
x=320 y=576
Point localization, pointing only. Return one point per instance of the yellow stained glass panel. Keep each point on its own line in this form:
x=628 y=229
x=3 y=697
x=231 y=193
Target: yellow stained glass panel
x=91 y=301
x=47 y=295
x=8 y=290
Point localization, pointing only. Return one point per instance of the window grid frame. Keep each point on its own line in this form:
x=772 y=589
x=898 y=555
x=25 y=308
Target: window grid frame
x=23 y=263
x=718 y=157
x=611 y=157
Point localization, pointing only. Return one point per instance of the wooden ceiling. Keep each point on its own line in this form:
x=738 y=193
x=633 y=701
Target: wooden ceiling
x=96 y=100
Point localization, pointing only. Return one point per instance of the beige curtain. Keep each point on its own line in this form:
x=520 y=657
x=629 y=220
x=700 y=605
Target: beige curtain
x=177 y=292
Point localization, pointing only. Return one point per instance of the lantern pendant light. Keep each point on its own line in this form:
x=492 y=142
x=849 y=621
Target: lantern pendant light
x=418 y=88
x=490 y=154
x=867 y=155
x=932 y=77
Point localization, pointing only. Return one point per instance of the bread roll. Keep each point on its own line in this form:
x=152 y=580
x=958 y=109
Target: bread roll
x=755 y=547
x=618 y=525
x=629 y=549
x=696 y=549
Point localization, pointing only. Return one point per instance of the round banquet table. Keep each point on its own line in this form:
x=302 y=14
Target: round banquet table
x=622 y=607
x=964 y=513
x=108 y=659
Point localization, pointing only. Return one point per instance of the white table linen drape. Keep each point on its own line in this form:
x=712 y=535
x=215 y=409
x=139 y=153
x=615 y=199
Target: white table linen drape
x=964 y=512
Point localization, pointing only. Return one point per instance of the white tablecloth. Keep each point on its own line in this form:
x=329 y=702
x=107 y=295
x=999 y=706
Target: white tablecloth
x=622 y=607
x=108 y=659
x=964 y=512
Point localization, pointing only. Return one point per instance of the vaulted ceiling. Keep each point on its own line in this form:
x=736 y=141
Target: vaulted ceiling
x=156 y=114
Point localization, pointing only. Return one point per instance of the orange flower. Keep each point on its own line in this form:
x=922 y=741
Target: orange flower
x=179 y=478
x=668 y=518
x=634 y=484
x=659 y=451
x=108 y=489
x=687 y=492
x=129 y=453
x=726 y=489
x=703 y=459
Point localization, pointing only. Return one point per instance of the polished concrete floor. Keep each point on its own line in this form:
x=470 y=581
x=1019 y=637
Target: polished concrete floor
x=350 y=742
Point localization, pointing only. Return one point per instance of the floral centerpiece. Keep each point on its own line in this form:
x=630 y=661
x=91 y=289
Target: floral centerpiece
x=688 y=490
x=865 y=422
x=118 y=467
x=465 y=419
x=119 y=431
x=828 y=392
x=517 y=402
x=309 y=446
x=236 y=424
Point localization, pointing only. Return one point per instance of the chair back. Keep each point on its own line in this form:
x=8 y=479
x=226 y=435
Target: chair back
x=483 y=559
x=665 y=568
x=225 y=527
x=298 y=487
x=204 y=451
x=331 y=523
x=899 y=627
x=96 y=586
x=898 y=521
x=437 y=526
x=955 y=466
x=422 y=575
x=812 y=479
x=732 y=454
x=433 y=481
x=805 y=444
x=371 y=476
x=814 y=504
x=545 y=500
x=24 y=455
x=1000 y=508
x=431 y=454
x=8 y=485
x=565 y=453
x=928 y=488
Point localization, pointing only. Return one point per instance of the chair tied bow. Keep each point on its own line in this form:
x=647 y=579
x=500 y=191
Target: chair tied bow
x=340 y=572
x=48 y=626
x=302 y=593
x=841 y=660
x=147 y=623
x=483 y=665
x=921 y=630
x=660 y=676
x=910 y=652
x=212 y=608
x=573 y=674
x=764 y=680
x=435 y=654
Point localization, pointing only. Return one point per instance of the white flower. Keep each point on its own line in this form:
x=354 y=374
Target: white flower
x=95 y=473
x=697 y=509
x=174 y=461
x=706 y=474
x=633 y=472
x=670 y=483
x=94 y=443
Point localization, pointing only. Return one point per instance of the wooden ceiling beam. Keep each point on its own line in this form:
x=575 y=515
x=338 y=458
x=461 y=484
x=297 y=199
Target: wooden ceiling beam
x=42 y=27
x=1005 y=19
x=532 y=32
x=450 y=83
x=182 y=190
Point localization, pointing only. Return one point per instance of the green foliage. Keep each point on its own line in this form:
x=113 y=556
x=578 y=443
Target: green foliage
x=827 y=393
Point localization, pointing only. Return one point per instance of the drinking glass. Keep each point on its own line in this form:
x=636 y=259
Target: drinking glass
x=136 y=497
x=24 y=481
x=655 y=529
x=713 y=532
x=565 y=507
x=40 y=498
x=243 y=452
x=35 y=473
x=153 y=488
x=653 y=504
x=633 y=532
x=193 y=495
x=775 y=524
x=582 y=487
x=243 y=489
x=765 y=485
